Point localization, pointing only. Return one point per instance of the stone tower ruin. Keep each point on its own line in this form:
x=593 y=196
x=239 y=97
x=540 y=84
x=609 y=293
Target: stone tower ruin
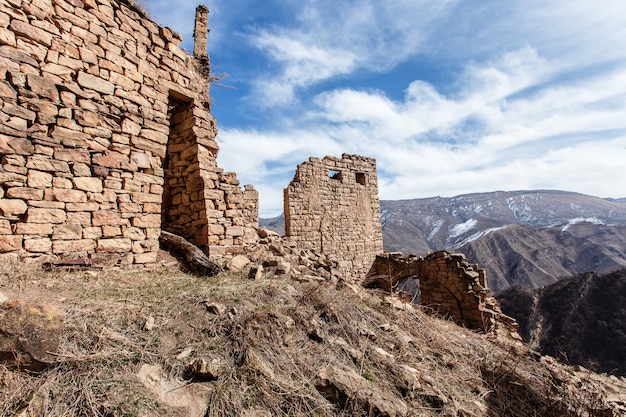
x=106 y=135
x=332 y=206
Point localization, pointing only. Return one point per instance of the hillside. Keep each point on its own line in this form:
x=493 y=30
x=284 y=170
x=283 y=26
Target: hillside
x=289 y=343
x=581 y=319
x=532 y=257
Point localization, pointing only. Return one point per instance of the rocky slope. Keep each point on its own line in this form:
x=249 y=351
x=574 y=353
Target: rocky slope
x=532 y=257
x=291 y=339
x=581 y=320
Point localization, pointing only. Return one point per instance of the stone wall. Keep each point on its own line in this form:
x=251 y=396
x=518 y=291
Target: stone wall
x=106 y=135
x=332 y=207
x=444 y=283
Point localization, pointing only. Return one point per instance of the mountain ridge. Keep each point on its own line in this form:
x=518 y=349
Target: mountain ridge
x=527 y=237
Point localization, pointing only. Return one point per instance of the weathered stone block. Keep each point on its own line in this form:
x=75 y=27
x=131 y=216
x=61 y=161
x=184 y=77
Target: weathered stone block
x=145 y=257
x=25 y=193
x=33 y=229
x=108 y=218
x=43 y=87
x=73 y=155
x=69 y=196
x=12 y=207
x=29 y=31
x=69 y=246
x=234 y=231
x=10 y=243
x=30 y=334
x=43 y=215
x=114 y=245
x=67 y=232
x=88 y=184
x=5 y=227
x=95 y=83
x=92 y=233
x=134 y=233
x=111 y=231
x=43 y=245
x=147 y=220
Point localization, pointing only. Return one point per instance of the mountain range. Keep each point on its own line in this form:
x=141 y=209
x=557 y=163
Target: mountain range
x=530 y=238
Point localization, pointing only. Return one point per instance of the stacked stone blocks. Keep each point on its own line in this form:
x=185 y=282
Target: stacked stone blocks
x=88 y=127
x=332 y=207
x=448 y=285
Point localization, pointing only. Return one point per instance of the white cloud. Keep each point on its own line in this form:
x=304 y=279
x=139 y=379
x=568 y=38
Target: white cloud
x=334 y=39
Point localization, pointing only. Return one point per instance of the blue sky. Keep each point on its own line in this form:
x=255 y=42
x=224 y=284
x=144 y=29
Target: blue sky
x=449 y=96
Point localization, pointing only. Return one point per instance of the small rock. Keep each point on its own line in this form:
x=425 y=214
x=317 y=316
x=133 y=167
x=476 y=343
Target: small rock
x=232 y=313
x=238 y=263
x=256 y=272
x=184 y=353
x=207 y=369
x=344 y=386
x=382 y=353
x=283 y=268
x=215 y=308
x=149 y=324
x=3 y=298
x=410 y=378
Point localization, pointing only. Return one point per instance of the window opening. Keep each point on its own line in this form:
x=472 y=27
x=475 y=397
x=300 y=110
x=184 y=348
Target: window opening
x=360 y=178
x=334 y=174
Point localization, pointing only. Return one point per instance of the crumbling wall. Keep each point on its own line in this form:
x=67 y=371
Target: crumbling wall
x=446 y=284
x=106 y=135
x=332 y=207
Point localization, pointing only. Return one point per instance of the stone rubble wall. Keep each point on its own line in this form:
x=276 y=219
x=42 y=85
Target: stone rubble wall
x=448 y=285
x=105 y=123
x=332 y=207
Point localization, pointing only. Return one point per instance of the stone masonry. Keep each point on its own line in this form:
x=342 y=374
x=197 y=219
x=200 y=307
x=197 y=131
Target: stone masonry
x=444 y=283
x=106 y=135
x=332 y=207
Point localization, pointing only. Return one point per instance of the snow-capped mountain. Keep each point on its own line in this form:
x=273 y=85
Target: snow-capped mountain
x=427 y=224
x=527 y=238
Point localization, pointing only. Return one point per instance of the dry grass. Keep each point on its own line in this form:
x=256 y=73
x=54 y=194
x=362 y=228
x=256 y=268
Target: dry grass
x=275 y=336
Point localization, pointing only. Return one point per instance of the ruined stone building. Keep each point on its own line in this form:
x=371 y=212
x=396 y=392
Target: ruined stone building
x=106 y=135
x=106 y=139
x=445 y=283
x=332 y=206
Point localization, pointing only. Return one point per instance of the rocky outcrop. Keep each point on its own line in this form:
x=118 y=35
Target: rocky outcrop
x=352 y=391
x=29 y=334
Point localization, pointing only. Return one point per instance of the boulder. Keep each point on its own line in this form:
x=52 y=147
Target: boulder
x=29 y=334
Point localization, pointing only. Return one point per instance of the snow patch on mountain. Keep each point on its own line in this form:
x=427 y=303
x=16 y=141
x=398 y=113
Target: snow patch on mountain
x=436 y=227
x=476 y=236
x=577 y=220
x=459 y=229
